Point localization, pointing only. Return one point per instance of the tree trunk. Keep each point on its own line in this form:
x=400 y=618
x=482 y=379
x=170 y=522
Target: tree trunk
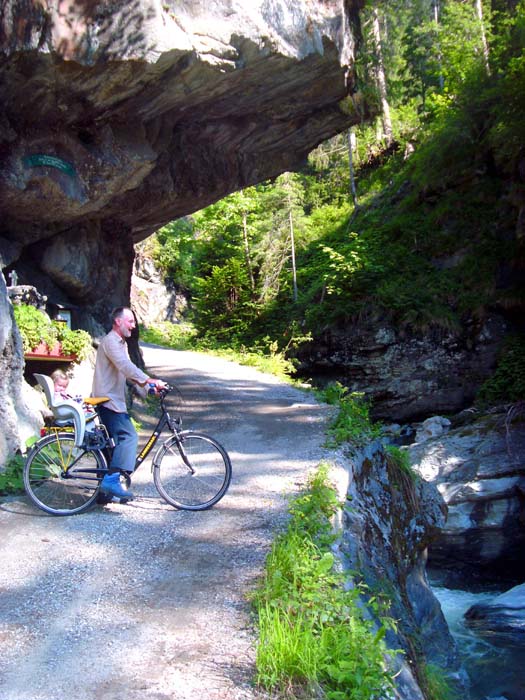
x=435 y=14
x=381 y=79
x=247 y=250
x=479 y=12
x=292 y=242
x=353 y=190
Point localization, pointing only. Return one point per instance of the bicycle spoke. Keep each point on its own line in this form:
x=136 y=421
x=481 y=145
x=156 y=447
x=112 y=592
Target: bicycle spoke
x=61 y=478
x=193 y=474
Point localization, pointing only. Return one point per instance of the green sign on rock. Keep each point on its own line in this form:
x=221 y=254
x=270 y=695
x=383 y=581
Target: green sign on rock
x=39 y=160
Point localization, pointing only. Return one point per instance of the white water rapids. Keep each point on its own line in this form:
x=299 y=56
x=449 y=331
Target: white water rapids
x=494 y=671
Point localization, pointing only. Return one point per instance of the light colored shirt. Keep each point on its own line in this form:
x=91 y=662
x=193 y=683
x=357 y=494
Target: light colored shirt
x=112 y=368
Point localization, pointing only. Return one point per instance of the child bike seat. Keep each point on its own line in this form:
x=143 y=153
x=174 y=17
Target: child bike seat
x=65 y=411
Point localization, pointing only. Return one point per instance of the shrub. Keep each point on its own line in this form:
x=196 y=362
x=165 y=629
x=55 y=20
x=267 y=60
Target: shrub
x=11 y=480
x=352 y=423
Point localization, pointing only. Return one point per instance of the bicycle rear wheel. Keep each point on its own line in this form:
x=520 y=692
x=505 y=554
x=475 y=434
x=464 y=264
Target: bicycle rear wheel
x=60 y=478
x=192 y=471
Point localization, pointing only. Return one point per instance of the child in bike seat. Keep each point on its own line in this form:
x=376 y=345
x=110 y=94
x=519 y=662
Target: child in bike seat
x=60 y=384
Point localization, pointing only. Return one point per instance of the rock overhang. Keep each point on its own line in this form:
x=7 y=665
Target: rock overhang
x=142 y=112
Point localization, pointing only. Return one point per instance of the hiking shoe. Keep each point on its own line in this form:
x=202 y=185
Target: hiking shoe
x=111 y=486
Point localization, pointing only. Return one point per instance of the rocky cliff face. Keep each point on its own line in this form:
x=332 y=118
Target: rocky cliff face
x=118 y=117
x=408 y=375
x=19 y=414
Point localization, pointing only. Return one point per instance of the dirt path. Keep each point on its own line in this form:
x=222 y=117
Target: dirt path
x=143 y=601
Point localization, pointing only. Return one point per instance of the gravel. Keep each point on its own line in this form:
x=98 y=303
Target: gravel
x=141 y=600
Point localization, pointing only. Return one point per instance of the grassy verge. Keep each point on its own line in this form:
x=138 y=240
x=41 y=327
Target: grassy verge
x=314 y=640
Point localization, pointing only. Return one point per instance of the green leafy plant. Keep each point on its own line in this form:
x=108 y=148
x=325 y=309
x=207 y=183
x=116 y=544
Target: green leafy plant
x=313 y=636
x=77 y=342
x=352 y=423
x=11 y=480
x=35 y=327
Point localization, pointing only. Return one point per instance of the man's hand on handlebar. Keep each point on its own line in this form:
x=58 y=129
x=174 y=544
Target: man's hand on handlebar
x=156 y=387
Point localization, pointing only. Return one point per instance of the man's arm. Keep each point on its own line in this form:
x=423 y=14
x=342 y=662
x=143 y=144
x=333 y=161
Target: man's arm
x=117 y=353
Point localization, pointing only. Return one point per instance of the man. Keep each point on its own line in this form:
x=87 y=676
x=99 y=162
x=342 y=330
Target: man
x=112 y=368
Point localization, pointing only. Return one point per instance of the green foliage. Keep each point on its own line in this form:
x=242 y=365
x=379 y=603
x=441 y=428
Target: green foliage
x=179 y=336
x=313 y=635
x=507 y=384
x=35 y=327
x=352 y=423
x=224 y=309
x=264 y=355
x=11 y=479
x=77 y=342
x=434 y=226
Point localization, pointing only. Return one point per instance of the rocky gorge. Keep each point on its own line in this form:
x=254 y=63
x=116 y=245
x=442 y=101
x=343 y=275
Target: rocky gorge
x=148 y=111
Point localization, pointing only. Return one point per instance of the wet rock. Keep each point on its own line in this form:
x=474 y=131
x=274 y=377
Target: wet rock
x=502 y=619
x=479 y=469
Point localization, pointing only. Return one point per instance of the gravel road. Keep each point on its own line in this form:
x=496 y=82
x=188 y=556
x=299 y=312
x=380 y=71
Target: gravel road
x=141 y=600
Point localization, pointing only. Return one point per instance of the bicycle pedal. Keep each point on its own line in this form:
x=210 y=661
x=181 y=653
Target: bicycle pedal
x=123 y=501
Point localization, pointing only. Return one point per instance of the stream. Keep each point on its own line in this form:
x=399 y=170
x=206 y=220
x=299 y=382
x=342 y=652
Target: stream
x=494 y=671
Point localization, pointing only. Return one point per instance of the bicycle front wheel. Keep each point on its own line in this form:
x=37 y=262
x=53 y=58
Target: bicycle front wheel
x=192 y=471
x=60 y=478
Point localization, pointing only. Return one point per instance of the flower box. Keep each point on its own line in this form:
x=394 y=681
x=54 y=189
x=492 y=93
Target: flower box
x=44 y=352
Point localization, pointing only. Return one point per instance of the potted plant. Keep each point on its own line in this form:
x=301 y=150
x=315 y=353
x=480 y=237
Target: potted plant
x=77 y=343
x=43 y=337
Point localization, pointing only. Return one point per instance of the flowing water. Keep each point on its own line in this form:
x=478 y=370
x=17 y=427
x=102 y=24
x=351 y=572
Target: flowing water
x=494 y=671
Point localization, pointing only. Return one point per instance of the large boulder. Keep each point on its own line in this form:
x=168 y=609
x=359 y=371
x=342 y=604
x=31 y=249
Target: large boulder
x=142 y=113
x=479 y=470
x=390 y=521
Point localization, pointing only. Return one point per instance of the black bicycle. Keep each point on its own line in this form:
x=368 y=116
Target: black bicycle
x=191 y=470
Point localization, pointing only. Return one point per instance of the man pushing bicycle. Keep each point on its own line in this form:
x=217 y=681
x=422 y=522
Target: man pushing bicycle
x=112 y=368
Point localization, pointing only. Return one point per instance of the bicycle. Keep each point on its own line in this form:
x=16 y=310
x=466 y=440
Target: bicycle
x=191 y=470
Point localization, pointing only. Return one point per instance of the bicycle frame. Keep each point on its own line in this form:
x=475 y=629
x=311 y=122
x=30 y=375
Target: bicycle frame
x=164 y=420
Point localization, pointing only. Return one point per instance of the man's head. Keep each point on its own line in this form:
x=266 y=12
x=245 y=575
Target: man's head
x=123 y=321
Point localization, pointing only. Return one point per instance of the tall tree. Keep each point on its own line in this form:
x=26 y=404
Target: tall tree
x=381 y=78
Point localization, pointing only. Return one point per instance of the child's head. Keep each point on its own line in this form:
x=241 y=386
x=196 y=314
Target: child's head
x=60 y=380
